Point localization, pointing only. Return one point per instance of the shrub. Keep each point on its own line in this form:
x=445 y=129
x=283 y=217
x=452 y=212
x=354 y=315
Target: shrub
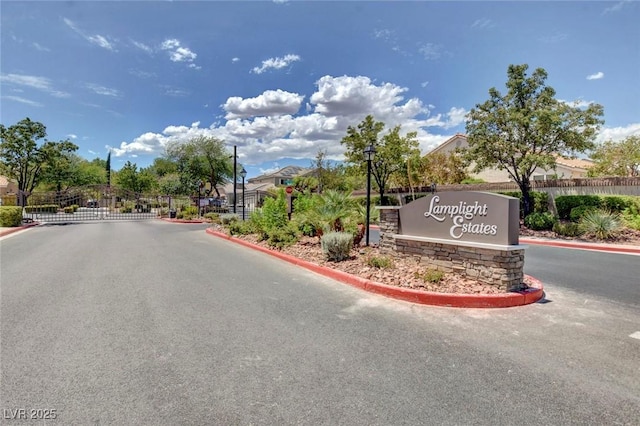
x=43 y=208
x=569 y=229
x=239 y=227
x=273 y=214
x=190 y=210
x=213 y=217
x=539 y=199
x=8 y=200
x=10 y=216
x=540 y=221
x=472 y=181
x=380 y=262
x=128 y=209
x=282 y=237
x=68 y=210
x=336 y=246
x=601 y=224
x=430 y=275
x=227 y=218
x=632 y=221
x=631 y=216
x=565 y=203
x=615 y=203
x=578 y=212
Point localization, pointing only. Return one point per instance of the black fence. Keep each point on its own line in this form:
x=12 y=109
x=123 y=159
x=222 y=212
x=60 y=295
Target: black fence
x=93 y=203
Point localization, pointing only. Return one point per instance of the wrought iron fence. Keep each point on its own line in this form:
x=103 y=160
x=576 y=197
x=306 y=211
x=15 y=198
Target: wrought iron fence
x=100 y=202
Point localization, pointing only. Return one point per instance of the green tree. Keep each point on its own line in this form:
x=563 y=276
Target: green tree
x=69 y=170
x=527 y=127
x=440 y=168
x=332 y=175
x=23 y=159
x=163 y=166
x=134 y=180
x=202 y=159
x=617 y=158
x=107 y=168
x=392 y=150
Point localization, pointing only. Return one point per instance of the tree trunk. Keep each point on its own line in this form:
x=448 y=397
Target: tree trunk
x=527 y=204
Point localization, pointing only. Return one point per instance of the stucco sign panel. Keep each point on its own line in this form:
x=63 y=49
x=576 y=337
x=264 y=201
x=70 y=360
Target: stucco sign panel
x=469 y=216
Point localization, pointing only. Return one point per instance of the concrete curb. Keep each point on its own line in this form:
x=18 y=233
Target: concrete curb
x=504 y=300
x=182 y=220
x=18 y=228
x=582 y=246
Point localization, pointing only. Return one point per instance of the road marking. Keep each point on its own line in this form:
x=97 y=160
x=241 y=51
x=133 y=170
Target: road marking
x=635 y=335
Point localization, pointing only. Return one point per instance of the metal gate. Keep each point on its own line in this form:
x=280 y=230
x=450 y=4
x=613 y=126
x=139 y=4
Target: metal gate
x=99 y=202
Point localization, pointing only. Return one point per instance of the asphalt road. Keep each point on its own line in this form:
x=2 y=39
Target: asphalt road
x=593 y=274
x=156 y=323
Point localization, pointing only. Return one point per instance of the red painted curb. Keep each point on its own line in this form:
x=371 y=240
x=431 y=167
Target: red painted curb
x=581 y=246
x=503 y=300
x=182 y=220
x=18 y=228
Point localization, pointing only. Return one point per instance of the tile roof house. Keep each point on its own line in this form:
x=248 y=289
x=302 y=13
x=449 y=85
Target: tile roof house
x=256 y=188
x=7 y=186
x=282 y=177
x=566 y=168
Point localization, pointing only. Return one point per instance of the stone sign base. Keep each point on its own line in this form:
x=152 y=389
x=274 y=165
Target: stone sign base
x=496 y=265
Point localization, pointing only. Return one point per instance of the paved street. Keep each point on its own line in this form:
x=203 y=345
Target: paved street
x=161 y=324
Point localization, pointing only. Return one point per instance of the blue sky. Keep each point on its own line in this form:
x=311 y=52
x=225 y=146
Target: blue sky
x=282 y=80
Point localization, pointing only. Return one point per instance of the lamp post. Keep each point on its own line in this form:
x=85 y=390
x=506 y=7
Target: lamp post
x=235 y=178
x=199 y=192
x=369 y=153
x=243 y=174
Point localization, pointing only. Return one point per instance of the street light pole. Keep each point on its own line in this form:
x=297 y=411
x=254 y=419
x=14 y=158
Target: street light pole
x=199 y=191
x=235 y=178
x=243 y=173
x=369 y=153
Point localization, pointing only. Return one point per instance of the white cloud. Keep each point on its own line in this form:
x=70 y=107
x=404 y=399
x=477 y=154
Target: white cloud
x=23 y=100
x=616 y=7
x=424 y=84
x=271 y=102
x=553 y=38
x=142 y=46
x=142 y=74
x=384 y=34
x=264 y=128
x=102 y=90
x=358 y=96
x=41 y=48
x=234 y=60
x=96 y=39
x=596 y=76
x=101 y=41
x=483 y=23
x=578 y=103
x=617 y=134
x=179 y=53
x=35 y=82
x=276 y=63
x=72 y=136
x=430 y=51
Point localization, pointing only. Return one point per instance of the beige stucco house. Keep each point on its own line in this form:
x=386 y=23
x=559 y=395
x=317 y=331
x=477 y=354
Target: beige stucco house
x=566 y=168
x=7 y=186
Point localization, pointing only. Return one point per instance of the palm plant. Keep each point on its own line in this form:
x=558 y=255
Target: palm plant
x=333 y=210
